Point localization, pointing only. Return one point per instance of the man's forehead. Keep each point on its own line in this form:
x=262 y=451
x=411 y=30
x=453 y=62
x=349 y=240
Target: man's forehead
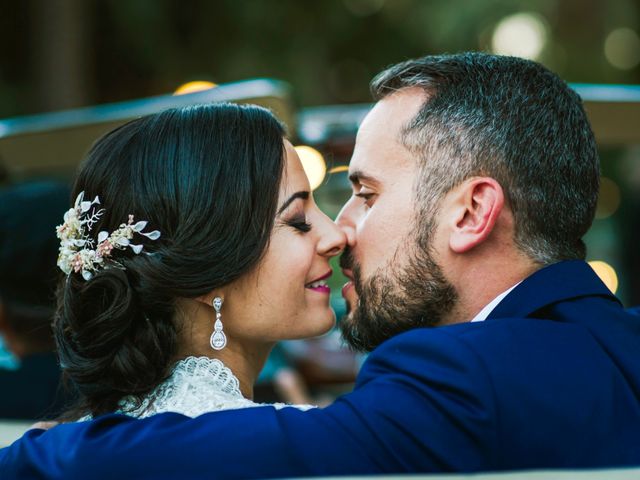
x=397 y=109
x=379 y=140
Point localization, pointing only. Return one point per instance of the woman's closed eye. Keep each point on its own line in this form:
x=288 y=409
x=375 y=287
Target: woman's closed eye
x=300 y=224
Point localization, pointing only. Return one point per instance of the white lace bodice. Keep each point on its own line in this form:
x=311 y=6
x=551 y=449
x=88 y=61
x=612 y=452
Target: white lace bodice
x=197 y=385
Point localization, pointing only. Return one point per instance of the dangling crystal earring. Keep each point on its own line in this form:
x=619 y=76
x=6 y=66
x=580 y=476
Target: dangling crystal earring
x=218 y=339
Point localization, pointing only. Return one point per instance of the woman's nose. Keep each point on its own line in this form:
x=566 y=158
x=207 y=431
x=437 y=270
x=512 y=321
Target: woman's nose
x=333 y=239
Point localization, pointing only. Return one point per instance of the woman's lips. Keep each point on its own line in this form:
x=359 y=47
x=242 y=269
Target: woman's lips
x=321 y=289
x=319 y=285
x=323 y=277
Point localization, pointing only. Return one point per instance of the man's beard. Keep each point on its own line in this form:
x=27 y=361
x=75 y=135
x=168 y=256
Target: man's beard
x=393 y=300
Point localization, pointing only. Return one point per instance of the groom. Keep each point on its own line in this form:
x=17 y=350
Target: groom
x=474 y=179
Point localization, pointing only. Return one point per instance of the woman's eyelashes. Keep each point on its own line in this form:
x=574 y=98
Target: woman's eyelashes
x=299 y=223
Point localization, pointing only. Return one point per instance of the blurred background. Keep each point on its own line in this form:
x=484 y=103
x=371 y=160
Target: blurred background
x=58 y=54
x=72 y=69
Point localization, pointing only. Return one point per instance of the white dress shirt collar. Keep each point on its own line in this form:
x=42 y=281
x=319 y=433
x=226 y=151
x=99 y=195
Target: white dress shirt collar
x=484 y=313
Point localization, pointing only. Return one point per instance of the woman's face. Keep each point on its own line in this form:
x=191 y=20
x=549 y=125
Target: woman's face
x=286 y=297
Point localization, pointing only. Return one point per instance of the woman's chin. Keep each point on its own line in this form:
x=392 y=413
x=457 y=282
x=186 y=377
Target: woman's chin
x=317 y=325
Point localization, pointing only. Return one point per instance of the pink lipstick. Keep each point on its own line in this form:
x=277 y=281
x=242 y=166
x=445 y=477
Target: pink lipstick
x=319 y=285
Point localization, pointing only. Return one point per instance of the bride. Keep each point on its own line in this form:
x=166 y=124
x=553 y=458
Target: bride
x=193 y=246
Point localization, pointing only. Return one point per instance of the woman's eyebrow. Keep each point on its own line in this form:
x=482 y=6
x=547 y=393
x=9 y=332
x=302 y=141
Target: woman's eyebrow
x=302 y=194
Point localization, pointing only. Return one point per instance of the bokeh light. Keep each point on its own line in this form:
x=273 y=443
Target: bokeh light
x=195 y=86
x=606 y=273
x=521 y=35
x=313 y=164
x=339 y=169
x=622 y=48
x=608 y=199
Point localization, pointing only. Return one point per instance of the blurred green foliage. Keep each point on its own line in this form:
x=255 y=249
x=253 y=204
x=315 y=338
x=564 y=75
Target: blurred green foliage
x=328 y=50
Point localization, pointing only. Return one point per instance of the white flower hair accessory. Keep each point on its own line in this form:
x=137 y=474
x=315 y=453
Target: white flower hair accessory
x=78 y=252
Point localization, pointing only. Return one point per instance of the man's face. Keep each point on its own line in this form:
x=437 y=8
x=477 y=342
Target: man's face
x=395 y=283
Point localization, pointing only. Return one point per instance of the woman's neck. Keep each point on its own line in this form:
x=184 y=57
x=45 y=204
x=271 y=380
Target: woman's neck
x=245 y=362
x=244 y=357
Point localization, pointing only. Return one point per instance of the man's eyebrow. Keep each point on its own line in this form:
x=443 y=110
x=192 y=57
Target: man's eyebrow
x=302 y=194
x=358 y=177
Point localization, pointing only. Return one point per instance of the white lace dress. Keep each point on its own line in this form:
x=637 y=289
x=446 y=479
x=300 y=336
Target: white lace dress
x=197 y=385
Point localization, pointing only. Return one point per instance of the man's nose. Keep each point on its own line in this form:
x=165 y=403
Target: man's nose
x=346 y=221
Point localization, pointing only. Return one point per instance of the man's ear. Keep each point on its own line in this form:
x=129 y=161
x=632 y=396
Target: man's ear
x=477 y=206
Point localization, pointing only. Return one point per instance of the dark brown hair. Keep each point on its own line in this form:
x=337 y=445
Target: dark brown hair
x=207 y=177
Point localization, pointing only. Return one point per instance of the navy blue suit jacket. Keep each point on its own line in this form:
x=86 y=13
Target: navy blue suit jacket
x=550 y=380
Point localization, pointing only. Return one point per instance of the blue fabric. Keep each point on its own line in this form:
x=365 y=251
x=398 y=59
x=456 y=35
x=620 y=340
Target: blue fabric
x=550 y=380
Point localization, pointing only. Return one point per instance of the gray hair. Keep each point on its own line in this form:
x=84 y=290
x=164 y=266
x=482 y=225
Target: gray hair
x=512 y=120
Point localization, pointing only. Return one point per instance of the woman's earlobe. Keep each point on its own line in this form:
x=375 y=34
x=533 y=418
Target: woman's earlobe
x=207 y=298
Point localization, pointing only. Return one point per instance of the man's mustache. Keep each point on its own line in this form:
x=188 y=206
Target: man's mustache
x=348 y=262
x=346 y=259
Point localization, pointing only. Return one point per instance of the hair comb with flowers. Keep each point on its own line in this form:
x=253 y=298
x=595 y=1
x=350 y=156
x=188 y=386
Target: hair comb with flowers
x=78 y=252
